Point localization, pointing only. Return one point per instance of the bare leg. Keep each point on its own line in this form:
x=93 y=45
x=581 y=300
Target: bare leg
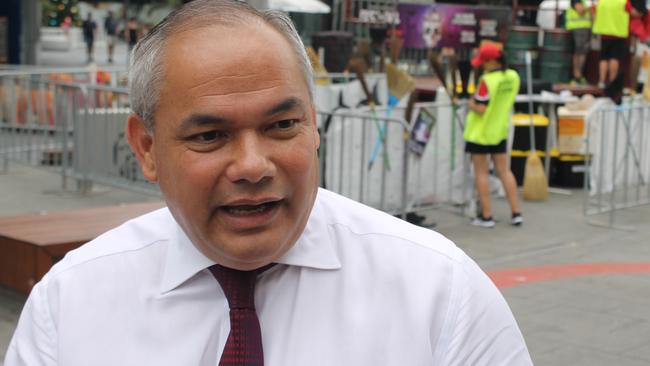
x=602 y=71
x=612 y=69
x=481 y=174
x=576 y=66
x=580 y=65
x=507 y=179
x=634 y=73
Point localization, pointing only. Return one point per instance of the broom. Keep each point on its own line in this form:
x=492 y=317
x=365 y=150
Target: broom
x=358 y=66
x=400 y=83
x=320 y=73
x=437 y=70
x=535 y=182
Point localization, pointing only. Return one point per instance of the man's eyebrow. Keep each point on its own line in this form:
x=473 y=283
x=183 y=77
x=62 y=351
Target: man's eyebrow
x=285 y=105
x=198 y=120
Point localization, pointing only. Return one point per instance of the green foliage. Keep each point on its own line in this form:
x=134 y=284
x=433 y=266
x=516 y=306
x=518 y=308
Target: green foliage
x=55 y=11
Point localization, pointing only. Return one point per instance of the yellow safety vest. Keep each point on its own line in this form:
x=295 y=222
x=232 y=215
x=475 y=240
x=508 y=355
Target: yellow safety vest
x=491 y=127
x=573 y=19
x=612 y=19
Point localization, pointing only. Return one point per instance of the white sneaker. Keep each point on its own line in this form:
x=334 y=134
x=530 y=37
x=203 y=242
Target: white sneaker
x=481 y=222
x=517 y=219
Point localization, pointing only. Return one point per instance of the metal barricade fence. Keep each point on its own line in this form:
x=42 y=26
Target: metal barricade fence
x=440 y=170
x=30 y=130
x=101 y=153
x=366 y=154
x=617 y=159
x=383 y=162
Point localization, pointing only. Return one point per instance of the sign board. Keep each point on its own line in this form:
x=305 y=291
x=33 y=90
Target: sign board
x=447 y=25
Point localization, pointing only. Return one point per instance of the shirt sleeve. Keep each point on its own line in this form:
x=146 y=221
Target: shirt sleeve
x=482 y=94
x=34 y=341
x=484 y=331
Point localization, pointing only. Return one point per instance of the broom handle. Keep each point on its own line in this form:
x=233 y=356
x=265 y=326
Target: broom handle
x=364 y=85
x=529 y=82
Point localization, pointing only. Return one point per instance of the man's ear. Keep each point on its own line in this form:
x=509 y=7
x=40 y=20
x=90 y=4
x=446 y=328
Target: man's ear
x=141 y=142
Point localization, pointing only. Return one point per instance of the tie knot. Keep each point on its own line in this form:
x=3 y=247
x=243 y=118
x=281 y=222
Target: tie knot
x=238 y=286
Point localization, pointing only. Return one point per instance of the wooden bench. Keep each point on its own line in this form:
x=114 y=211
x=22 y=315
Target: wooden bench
x=31 y=244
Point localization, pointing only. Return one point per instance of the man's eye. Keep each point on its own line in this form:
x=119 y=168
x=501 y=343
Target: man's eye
x=285 y=124
x=208 y=136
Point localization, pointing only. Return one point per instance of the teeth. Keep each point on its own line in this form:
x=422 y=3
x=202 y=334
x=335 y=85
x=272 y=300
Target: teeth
x=247 y=211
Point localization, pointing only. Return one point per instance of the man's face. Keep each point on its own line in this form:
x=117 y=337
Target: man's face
x=234 y=147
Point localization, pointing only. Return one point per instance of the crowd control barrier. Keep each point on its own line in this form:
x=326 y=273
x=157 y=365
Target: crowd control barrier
x=372 y=155
x=32 y=127
x=375 y=157
x=617 y=158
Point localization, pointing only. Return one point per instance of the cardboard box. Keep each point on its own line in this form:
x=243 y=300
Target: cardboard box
x=571 y=135
x=571 y=131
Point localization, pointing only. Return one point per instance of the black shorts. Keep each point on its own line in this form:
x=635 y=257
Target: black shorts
x=612 y=48
x=473 y=148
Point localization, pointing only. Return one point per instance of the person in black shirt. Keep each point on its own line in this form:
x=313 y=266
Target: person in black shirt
x=89 y=27
x=110 y=27
x=132 y=34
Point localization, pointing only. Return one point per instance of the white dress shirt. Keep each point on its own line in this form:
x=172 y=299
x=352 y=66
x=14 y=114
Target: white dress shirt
x=359 y=287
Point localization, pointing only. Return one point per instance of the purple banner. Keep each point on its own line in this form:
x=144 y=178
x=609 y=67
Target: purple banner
x=457 y=26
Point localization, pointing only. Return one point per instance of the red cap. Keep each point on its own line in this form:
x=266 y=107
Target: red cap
x=487 y=52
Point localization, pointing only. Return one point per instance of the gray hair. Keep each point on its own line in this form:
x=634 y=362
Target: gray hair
x=146 y=65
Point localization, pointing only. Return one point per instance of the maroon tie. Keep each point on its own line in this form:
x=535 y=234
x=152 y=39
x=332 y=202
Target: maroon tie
x=244 y=344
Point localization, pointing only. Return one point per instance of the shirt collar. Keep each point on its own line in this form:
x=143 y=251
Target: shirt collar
x=313 y=249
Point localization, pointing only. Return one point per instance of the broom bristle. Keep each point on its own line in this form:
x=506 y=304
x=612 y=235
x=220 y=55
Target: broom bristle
x=400 y=83
x=437 y=69
x=317 y=66
x=535 y=183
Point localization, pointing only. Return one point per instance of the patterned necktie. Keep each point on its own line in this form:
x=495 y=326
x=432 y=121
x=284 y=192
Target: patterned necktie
x=244 y=344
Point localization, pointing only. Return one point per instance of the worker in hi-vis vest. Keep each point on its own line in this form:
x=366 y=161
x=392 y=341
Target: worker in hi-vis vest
x=578 y=22
x=486 y=130
x=612 y=23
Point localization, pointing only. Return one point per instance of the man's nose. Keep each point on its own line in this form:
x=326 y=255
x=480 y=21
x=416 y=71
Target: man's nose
x=250 y=160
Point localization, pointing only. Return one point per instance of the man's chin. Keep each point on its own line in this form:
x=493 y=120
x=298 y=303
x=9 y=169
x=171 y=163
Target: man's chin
x=248 y=253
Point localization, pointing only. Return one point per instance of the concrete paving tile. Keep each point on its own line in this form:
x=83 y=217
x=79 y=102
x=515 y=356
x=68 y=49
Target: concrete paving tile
x=11 y=304
x=596 y=293
x=578 y=298
x=606 y=332
x=583 y=356
x=6 y=332
x=524 y=305
x=45 y=193
x=641 y=353
x=539 y=343
x=636 y=308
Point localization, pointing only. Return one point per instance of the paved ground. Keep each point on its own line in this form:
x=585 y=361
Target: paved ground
x=579 y=318
x=77 y=56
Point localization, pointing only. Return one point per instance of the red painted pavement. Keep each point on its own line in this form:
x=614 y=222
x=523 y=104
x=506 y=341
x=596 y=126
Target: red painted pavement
x=521 y=276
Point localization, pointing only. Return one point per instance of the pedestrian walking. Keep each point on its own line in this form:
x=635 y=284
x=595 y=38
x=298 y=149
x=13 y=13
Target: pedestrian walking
x=89 y=28
x=132 y=34
x=110 y=27
x=486 y=130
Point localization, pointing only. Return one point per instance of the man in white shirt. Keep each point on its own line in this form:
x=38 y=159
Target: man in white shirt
x=223 y=120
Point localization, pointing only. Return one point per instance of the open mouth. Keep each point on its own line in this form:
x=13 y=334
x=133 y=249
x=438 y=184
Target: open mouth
x=247 y=210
